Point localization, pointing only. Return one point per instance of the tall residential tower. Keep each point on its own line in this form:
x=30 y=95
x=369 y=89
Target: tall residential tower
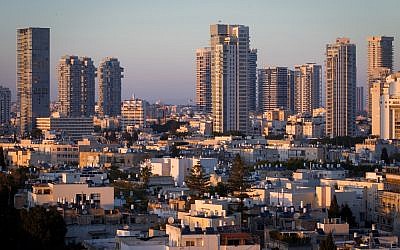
x=230 y=47
x=109 y=76
x=76 y=86
x=275 y=88
x=5 y=105
x=33 y=76
x=340 y=88
x=203 y=79
x=307 y=88
x=380 y=62
x=252 y=80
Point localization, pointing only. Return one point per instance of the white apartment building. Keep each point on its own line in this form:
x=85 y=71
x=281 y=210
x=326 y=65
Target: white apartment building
x=230 y=48
x=178 y=168
x=386 y=114
x=53 y=193
x=133 y=113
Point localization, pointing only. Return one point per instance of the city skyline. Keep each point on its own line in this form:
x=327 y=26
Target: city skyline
x=134 y=32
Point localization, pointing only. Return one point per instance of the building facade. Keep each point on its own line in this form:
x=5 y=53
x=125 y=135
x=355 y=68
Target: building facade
x=133 y=113
x=5 y=105
x=252 y=80
x=386 y=115
x=70 y=127
x=307 y=88
x=341 y=79
x=76 y=86
x=33 y=76
x=109 y=75
x=380 y=61
x=203 y=79
x=274 y=88
x=360 y=99
x=230 y=47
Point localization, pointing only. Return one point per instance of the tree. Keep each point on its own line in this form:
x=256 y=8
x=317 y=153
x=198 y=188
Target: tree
x=145 y=174
x=45 y=228
x=135 y=136
x=328 y=243
x=174 y=151
x=385 y=156
x=197 y=180
x=2 y=159
x=238 y=174
x=334 y=210
x=36 y=133
x=347 y=215
x=221 y=189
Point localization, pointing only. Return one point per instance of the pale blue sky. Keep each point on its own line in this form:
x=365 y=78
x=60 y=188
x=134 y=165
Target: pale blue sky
x=156 y=40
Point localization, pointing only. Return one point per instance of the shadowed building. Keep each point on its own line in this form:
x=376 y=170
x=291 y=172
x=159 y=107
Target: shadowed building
x=76 y=86
x=5 y=105
x=110 y=74
x=33 y=76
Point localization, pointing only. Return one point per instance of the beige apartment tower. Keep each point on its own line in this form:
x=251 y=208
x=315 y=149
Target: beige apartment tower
x=307 y=87
x=380 y=62
x=230 y=48
x=76 y=86
x=33 y=76
x=340 y=88
x=203 y=79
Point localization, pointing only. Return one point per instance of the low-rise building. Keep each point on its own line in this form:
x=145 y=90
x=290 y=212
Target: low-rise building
x=54 y=193
x=71 y=127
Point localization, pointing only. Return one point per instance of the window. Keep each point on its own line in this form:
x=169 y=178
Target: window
x=95 y=196
x=190 y=243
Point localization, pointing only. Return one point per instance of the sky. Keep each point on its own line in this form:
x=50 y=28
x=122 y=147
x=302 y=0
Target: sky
x=155 y=41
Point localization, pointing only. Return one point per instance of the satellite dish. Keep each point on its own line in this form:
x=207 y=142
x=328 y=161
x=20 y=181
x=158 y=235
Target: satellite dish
x=171 y=220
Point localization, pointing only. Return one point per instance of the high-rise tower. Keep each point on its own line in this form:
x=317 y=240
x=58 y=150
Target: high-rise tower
x=76 y=86
x=252 y=80
x=380 y=62
x=33 y=76
x=203 y=79
x=307 y=87
x=5 y=105
x=109 y=76
x=274 y=88
x=340 y=88
x=230 y=47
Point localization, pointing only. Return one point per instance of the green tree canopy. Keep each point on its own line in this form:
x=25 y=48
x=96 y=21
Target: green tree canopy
x=197 y=180
x=347 y=215
x=385 y=156
x=174 y=151
x=237 y=180
x=2 y=158
x=45 y=228
x=145 y=174
x=334 y=210
x=328 y=243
